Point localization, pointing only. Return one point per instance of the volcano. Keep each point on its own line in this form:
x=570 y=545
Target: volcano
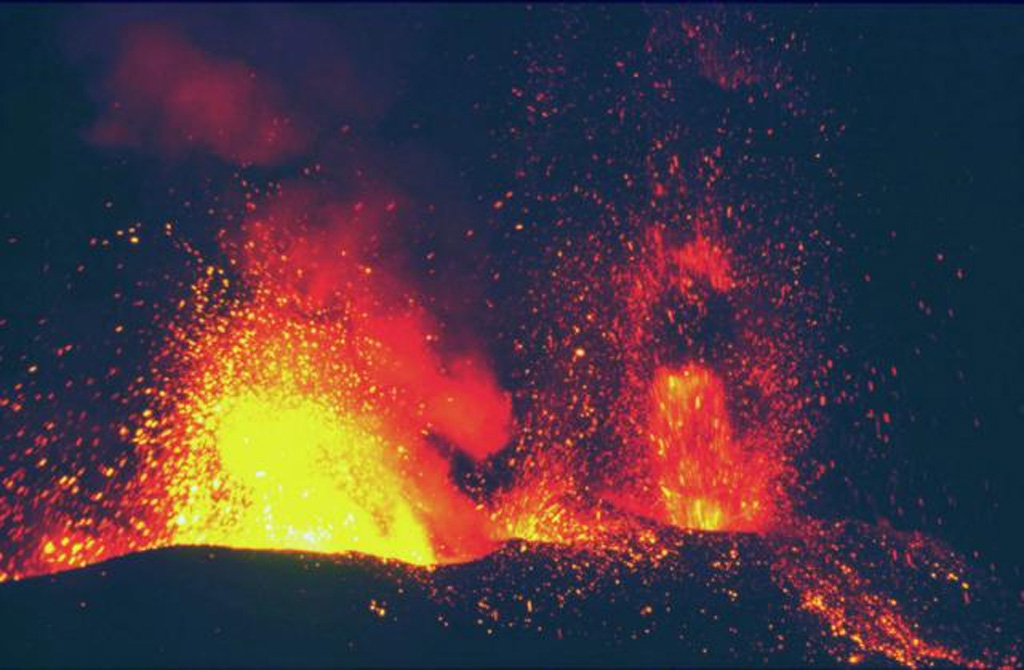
x=713 y=599
x=540 y=336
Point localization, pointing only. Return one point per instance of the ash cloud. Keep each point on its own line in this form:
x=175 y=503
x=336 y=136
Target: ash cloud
x=167 y=95
x=276 y=91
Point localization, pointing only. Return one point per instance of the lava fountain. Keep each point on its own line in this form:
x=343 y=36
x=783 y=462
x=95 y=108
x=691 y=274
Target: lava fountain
x=306 y=393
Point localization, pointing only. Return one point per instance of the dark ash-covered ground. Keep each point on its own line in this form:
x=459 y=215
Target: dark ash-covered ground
x=714 y=602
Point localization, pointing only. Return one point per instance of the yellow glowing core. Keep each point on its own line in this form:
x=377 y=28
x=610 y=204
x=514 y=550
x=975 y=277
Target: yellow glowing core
x=296 y=474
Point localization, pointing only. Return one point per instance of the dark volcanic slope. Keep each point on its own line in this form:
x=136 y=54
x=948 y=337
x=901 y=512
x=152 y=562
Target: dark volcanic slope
x=716 y=602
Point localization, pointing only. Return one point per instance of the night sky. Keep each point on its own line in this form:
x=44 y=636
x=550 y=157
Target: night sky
x=920 y=194
x=934 y=151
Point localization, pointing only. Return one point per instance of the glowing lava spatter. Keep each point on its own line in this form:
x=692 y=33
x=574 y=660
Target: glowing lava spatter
x=305 y=398
x=707 y=481
x=291 y=474
x=693 y=469
x=290 y=419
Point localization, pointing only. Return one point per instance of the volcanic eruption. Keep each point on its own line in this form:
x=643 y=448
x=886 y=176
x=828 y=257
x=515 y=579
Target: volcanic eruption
x=632 y=396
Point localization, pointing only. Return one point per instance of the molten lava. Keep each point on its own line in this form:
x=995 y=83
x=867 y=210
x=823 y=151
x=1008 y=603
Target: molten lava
x=293 y=474
x=706 y=478
x=288 y=418
x=309 y=395
x=305 y=400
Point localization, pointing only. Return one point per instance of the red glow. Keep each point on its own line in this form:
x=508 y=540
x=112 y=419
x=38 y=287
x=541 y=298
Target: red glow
x=171 y=96
x=311 y=396
x=698 y=475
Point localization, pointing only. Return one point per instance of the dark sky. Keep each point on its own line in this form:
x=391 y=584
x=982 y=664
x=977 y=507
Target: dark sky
x=930 y=203
x=934 y=162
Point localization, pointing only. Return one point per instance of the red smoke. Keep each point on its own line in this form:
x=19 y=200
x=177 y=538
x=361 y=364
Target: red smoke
x=170 y=96
x=330 y=255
